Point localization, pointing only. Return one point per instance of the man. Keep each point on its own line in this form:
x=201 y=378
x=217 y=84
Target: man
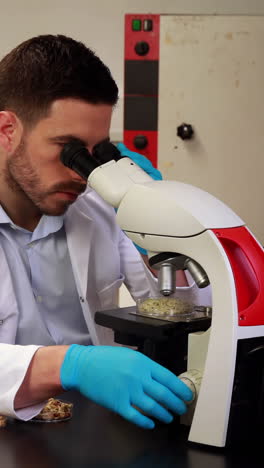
x=62 y=255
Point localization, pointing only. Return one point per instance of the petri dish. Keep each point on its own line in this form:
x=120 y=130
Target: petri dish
x=54 y=411
x=171 y=308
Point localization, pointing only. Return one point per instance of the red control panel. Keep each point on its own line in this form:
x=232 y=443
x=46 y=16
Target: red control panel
x=136 y=38
x=141 y=84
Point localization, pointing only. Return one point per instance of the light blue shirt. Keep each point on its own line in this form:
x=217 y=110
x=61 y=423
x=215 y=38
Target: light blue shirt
x=49 y=306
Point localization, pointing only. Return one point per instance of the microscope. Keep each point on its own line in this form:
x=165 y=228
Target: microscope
x=184 y=227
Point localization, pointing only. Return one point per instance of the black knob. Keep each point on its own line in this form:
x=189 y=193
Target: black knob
x=142 y=48
x=140 y=141
x=185 y=131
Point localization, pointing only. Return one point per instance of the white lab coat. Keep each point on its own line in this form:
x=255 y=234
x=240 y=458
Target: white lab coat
x=102 y=259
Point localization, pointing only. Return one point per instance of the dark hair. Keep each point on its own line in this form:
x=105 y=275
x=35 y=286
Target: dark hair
x=46 y=68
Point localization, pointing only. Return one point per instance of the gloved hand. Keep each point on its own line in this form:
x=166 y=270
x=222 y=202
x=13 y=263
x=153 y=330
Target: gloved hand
x=146 y=165
x=118 y=378
x=141 y=161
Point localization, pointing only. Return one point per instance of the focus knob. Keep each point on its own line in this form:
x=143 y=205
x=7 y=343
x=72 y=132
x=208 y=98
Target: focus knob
x=140 y=141
x=185 y=131
x=142 y=48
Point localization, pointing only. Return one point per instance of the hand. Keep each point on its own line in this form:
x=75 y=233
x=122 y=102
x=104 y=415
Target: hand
x=120 y=378
x=141 y=161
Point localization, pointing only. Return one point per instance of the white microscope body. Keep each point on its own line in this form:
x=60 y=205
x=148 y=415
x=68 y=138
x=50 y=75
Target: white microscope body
x=168 y=216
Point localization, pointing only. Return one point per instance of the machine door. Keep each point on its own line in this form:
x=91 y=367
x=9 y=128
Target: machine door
x=211 y=77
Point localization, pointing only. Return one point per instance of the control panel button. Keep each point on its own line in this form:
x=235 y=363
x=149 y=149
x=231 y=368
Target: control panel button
x=147 y=25
x=185 y=131
x=140 y=141
x=136 y=25
x=142 y=48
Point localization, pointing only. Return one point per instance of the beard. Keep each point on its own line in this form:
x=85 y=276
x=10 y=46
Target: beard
x=24 y=180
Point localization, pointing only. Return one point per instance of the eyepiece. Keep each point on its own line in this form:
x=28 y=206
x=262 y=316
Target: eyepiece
x=105 y=151
x=77 y=157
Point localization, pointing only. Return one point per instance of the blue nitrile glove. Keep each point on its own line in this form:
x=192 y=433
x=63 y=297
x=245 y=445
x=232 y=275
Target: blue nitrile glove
x=140 y=160
x=118 y=378
x=146 y=165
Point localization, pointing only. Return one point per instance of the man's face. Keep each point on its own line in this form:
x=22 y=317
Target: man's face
x=35 y=171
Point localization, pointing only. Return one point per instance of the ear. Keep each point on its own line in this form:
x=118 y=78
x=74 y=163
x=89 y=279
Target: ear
x=11 y=131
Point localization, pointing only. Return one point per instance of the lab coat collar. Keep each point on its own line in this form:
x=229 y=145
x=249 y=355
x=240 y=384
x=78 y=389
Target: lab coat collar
x=79 y=231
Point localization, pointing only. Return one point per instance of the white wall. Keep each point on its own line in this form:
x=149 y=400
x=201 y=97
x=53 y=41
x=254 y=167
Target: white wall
x=99 y=23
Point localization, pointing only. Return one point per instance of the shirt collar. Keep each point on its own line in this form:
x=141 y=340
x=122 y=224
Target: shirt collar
x=47 y=224
x=4 y=219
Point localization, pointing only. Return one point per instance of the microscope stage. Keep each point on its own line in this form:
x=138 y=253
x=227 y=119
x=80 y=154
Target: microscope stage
x=126 y=320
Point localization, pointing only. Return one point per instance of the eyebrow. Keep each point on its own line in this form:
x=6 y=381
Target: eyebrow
x=70 y=137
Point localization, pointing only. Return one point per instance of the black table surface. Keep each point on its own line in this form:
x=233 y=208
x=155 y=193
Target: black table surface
x=96 y=437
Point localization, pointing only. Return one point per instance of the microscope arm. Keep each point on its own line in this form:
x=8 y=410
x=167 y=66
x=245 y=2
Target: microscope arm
x=160 y=208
